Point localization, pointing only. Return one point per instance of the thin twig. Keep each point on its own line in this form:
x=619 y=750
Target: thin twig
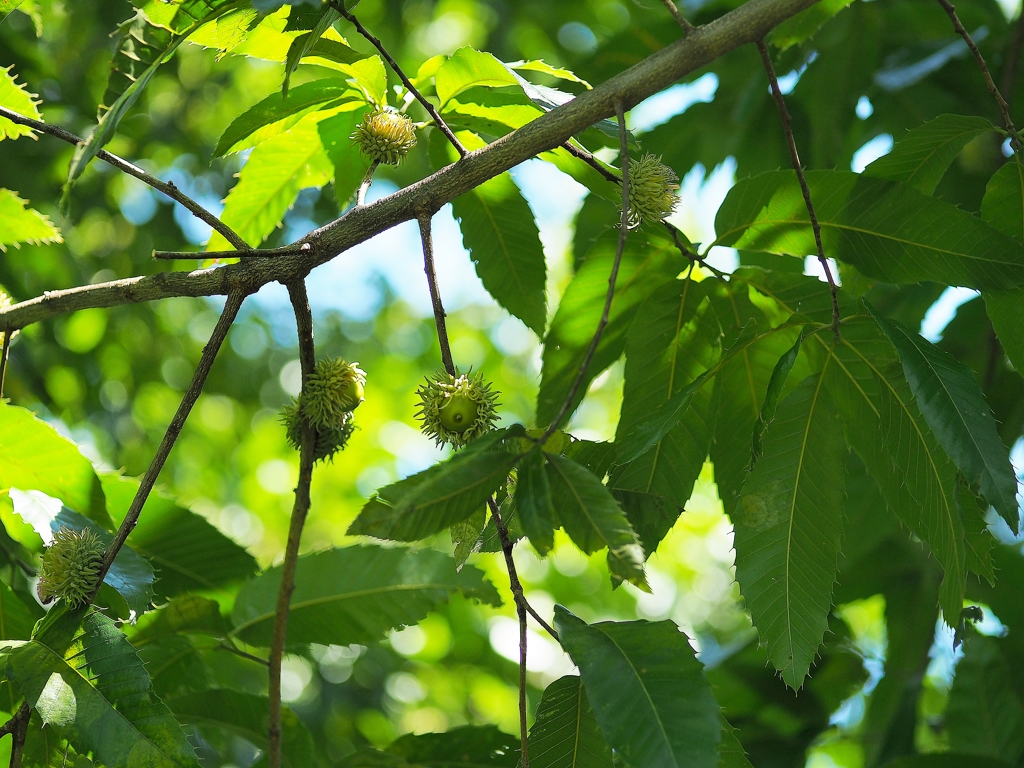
x=435 y=294
x=364 y=187
x=195 y=389
x=623 y=232
x=680 y=19
x=242 y=654
x=166 y=187
x=300 y=509
x=695 y=258
x=18 y=731
x=593 y=162
x=298 y=249
x=4 y=354
x=376 y=43
x=794 y=155
x=1004 y=108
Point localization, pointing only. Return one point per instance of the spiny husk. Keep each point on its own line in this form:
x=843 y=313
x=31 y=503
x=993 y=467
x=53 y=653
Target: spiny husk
x=438 y=391
x=329 y=439
x=71 y=566
x=652 y=191
x=385 y=136
x=333 y=390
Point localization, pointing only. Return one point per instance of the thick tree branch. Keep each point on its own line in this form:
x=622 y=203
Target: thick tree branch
x=794 y=156
x=300 y=509
x=620 y=114
x=269 y=253
x=376 y=43
x=166 y=187
x=1004 y=108
x=195 y=389
x=746 y=24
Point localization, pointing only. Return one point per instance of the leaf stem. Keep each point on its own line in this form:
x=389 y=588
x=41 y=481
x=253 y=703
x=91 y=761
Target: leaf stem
x=794 y=155
x=166 y=187
x=431 y=110
x=612 y=278
x=195 y=389
x=300 y=510
x=680 y=19
x=364 y=187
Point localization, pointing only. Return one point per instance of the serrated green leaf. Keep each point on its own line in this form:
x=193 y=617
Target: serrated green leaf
x=272 y=177
x=788 y=528
x=805 y=24
x=534 y=502
x=431 y=501
x=275 y=115
x=303 y=44
x=1006 y=311
x=188 y=552
x=984 y=716
x=223 y=34
x=8 y=6
x=888 y=231
x=976 y=534
x=780 y=374
x=471 y=746
x=190 y=614
x=1003 y=203
x=35 y=457
x=648 y=262
x=141 y=48
x=17 y=99
x=16 y=620
x=545 y=68
x=350 y=165
x=247 y=716
x=466 y=537
x=86 y=680
x=468 y=68
x=593 y=519
x=20 y=224
x=565 y=733
x=730 y=752
x=920 y=158
x=647 y=689
x=954 y=406
x=355 y=595
x=672 y=342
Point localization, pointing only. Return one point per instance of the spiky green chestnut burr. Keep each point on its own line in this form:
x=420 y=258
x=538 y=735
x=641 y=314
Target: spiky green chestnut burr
x=333 y=390
x=71 y=566
x=652 y=191
x=385 y=136
x=456 y=409
x=329 y=440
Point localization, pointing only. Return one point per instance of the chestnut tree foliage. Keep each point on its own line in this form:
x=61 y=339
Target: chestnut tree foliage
x=249 y=608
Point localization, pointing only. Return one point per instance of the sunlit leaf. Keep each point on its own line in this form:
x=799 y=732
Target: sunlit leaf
x=21 y=224
x=15 y=97
x=468 y=68
x=534 y=502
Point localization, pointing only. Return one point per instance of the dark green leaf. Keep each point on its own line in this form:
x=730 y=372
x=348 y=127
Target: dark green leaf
x=952 y=403
x=886 y=230
x=593 y=519
x=805 y=24
x=86 y=680
x=565 y=733
x=976 y=534
x=355 y=595
x=1003 y=204
x=780 y=374
x=920 y=158
x=190 y=614
x=647 y=689
x=534 y=502
x=651 y=516
x=1006 y=311
x=303 y=44
x=466 y=747
x=433 y=500
x=16 y=620
x=788 y=528
x=466 y=536
x=35 y=457
x=350 y=166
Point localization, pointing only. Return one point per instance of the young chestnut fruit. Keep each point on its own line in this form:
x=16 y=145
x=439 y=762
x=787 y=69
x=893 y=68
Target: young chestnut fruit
x=70 y=566
x=329 y=440
x=456 y=409
x=385 y=136
x=333 y=389
x=652 y=191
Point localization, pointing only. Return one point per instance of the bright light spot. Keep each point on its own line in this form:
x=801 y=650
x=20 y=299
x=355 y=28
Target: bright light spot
x=864 y=108
x=408 y=641
x=813 y=268
x=542 y=653
x=401 y=686
x=413 y=450
x=276 y=476
x=577 y=37
x=673 y=101
x=38 y=510
x=871 y=151
x=943 y=310
x=296 y=675
x=788 y=82
x=291 y=378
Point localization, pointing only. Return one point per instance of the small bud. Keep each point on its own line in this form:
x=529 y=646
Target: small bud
x=333 y=390
x=385 y=136
x=456 y=409
x=329 y=440
x=71 y=566
x=652 y=191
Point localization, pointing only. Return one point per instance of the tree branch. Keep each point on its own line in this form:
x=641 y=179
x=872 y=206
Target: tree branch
x=192 y=394
x=680 y=19
x=747 y=24
x=612 y=278
x=4 y=354
x=435 y=295
x=17 y=726
x=1004 y=108
x=300 y=509
x=285 y=250
x=794 y=156
x=438 y=120
x=166 y=187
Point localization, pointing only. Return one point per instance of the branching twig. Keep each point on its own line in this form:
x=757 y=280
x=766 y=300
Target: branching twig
x=1004 y=108
x=166 y=187
x=435 y=294
x=307 y=360
x=376 y=43
x=364 y=187
x=593 y=162
x=794 y=155
x=195 y=389
x=695 y=258
x=299 y=249
x=680 y=19
x=606 y=312
x=242 y=654
x=17 y=726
